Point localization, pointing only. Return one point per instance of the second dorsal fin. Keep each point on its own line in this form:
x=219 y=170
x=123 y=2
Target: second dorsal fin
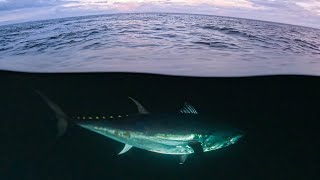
x=141 y=109
x=187 y=108
x=62 y=118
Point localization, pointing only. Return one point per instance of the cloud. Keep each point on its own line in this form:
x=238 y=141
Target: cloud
x=311 y=6
x=18 y=4
x=301 y=12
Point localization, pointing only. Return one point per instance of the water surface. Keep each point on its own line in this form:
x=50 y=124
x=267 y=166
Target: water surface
x=176 y=44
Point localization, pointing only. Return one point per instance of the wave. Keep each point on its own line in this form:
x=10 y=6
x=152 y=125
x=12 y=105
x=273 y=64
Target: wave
x=161 y=43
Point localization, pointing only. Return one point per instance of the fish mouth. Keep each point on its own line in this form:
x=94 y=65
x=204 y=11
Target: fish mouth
x=236 y=138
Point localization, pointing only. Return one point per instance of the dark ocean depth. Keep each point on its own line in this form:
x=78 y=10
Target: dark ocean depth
x=279 y=115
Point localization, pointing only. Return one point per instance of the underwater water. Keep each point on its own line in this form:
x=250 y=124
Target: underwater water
x=89 y=66
x=174 y=44
x=278 y=114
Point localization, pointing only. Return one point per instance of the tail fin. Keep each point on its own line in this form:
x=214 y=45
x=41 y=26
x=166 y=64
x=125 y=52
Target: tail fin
x=62 y=123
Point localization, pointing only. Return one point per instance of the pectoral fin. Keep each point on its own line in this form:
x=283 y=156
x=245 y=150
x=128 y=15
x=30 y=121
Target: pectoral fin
x=126 y=148
x=196 y=146
x=183 y=158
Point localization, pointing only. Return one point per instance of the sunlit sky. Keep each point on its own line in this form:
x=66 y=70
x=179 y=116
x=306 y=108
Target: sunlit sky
x=299 y=12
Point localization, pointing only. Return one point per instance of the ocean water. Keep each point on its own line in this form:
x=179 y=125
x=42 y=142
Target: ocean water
x=173 y=44
x=279 y=115
x=135 y=55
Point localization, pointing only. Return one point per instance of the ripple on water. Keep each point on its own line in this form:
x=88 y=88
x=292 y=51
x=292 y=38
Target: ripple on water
x=161 y=43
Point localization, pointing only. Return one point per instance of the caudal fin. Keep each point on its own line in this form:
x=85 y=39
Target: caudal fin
x=62 y=118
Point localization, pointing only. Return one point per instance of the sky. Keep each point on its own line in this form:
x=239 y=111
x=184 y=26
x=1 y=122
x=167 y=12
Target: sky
x=298 y=12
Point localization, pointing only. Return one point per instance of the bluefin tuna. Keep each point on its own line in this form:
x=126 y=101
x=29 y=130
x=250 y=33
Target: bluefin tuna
x=182 y=133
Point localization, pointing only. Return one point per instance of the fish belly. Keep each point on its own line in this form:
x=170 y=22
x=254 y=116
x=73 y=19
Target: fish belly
x=160 y=145
x=154 y=143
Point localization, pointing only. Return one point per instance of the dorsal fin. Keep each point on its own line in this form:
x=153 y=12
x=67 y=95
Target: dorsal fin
x=62 y=118
x=141 y=109
x=187 y=108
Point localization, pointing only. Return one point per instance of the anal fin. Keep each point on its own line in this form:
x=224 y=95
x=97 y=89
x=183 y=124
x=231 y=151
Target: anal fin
x=126 y=148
